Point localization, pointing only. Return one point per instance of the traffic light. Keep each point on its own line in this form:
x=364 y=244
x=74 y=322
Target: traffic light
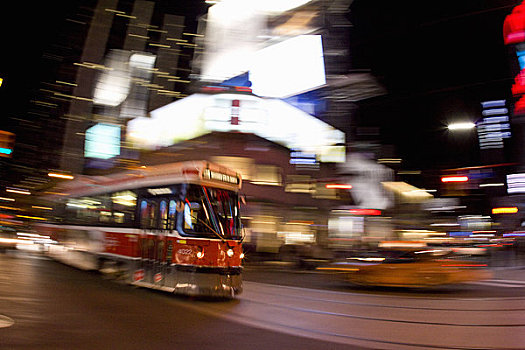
x=7 y=143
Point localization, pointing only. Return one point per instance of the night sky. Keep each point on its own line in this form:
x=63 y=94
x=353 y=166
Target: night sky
x=27 y=30
x=438 y=60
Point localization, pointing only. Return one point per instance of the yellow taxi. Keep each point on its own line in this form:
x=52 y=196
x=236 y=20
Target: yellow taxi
x=408 y=268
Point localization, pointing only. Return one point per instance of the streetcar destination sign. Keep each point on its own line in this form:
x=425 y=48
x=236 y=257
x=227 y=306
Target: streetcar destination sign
x=214 y=175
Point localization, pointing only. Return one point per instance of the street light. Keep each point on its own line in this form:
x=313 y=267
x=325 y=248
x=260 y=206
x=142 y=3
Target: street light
x=461 y=126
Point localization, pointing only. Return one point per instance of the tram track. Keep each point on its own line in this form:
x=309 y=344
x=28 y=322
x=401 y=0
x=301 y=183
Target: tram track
x=444 y=316
x=392 y=322
x=383 y=305
x=361 y=317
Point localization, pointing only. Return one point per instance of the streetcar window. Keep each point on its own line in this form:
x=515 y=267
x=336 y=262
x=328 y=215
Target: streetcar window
x=124 y=204
x=119 y=217
x=172 y=215
x=197 y=217
x=148 y=214
x=95 y=210
x=143 y=214
x=105 y=216
x=191 y=211
x=153 y=214
x=163 y=208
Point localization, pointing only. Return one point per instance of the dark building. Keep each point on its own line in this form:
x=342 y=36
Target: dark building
x=88 y=40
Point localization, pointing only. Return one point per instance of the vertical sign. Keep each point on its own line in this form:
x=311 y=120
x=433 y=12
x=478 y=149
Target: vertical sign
x=236 y=104
x=494 y=127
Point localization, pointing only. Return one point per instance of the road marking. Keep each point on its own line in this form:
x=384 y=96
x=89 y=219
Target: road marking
x=500 y=283
x=509 y=281
x=6 y=321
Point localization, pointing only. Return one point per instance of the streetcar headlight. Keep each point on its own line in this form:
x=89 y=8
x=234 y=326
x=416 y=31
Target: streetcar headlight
x=229 y=252
x=241 y=256
x=200 y=254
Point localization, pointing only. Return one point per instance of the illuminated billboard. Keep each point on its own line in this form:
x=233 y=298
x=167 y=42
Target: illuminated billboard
x=289 y=67
x=102 y=141
x=114 y=81
x=269 y=40
x=272 y=119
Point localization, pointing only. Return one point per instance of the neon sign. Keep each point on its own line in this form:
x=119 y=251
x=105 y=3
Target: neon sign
x=514 y=34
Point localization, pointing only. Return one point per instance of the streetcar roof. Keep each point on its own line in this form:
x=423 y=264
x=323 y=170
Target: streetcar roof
x=197 y=172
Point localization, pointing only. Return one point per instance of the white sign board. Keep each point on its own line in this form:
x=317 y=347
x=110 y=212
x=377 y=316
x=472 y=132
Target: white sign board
x=271 y=119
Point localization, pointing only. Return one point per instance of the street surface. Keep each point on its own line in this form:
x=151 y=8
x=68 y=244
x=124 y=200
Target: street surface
x=47 y=305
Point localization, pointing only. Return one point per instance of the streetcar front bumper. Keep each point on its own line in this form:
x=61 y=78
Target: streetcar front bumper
x=208 y=281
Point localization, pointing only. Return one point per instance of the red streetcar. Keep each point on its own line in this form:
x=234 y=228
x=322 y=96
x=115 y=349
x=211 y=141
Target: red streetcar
x=174 y=227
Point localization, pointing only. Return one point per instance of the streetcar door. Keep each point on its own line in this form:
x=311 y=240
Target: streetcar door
x=169 y=271
x=149 y=221
x=155 y=225
x=159 y=268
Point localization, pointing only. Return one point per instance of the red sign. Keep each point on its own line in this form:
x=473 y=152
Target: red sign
x=158 y=277
x=138 y=275
x=518 y=88
x=519 y=106
x=365 y=211
x=514 y=33
x=514 y=26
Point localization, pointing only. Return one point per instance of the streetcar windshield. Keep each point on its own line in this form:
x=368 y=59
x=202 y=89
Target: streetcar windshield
x=211 y=212
x=225 y=205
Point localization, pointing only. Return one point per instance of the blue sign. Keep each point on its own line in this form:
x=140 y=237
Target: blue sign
x=5 y=150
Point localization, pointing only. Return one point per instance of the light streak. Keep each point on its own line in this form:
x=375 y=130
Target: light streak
x=61 y=176
x=339 y=186
x=461 y=126
x=505 y=210
x=18 y=191
x=454 y=179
